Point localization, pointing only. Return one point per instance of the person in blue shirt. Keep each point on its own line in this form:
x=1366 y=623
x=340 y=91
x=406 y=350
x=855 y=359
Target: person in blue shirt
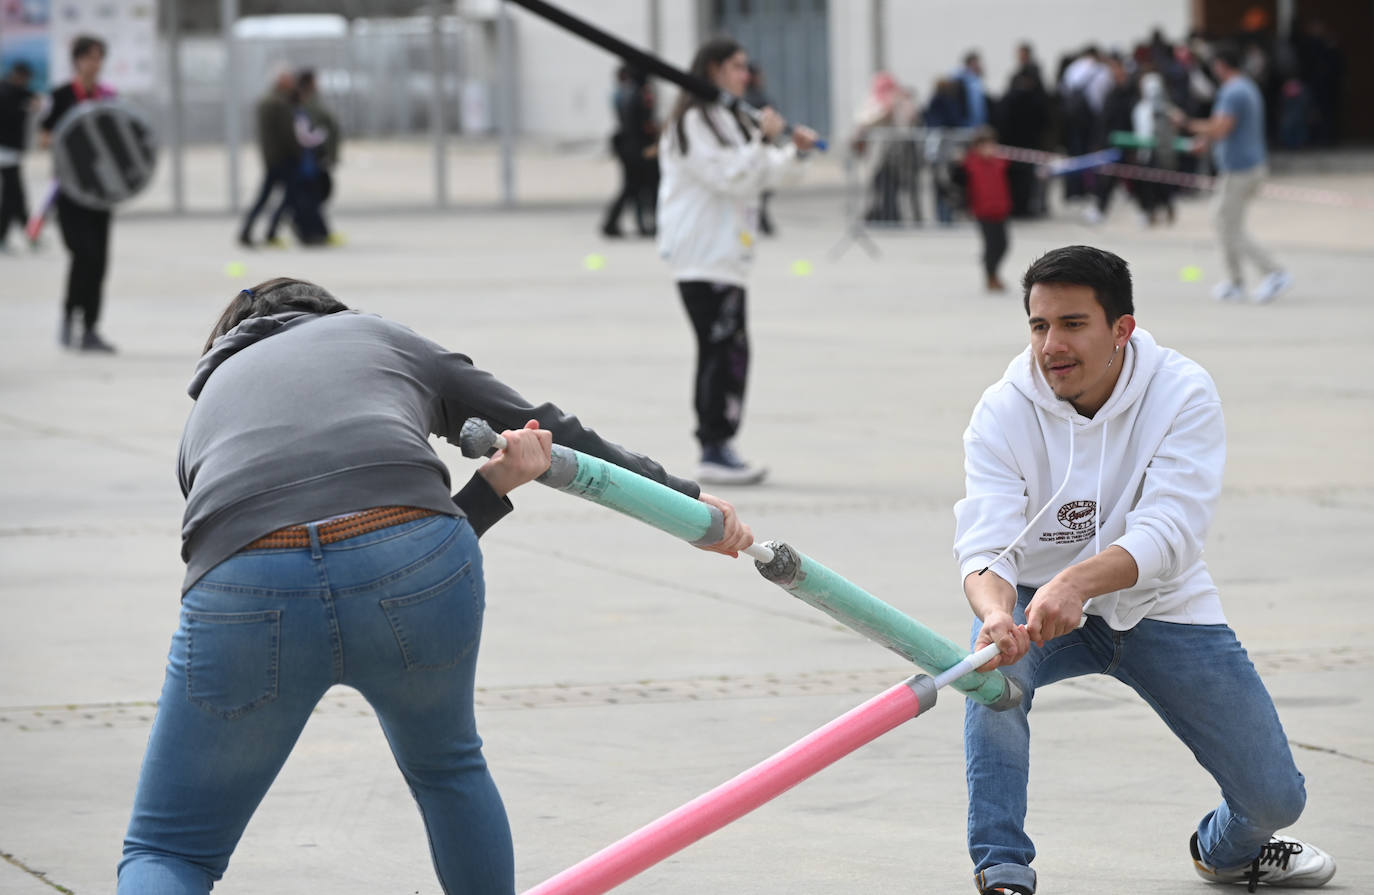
x=1236 y=133
x=975 y=95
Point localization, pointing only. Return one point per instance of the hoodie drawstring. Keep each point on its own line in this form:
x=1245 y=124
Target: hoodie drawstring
x=1068 y=471
x=1097 y=498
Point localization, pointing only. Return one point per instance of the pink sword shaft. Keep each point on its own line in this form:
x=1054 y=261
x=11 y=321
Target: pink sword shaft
x=735 y=798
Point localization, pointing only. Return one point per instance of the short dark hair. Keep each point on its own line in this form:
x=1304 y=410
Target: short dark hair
x=21 y=69
x=272 y=297
x=84 y=44
x=1107 y=274
x=1229 y=54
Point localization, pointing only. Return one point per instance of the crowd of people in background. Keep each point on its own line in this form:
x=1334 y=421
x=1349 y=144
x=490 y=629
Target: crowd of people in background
x=1095 y=99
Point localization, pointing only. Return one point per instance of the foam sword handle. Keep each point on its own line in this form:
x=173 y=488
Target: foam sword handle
x=593 y=479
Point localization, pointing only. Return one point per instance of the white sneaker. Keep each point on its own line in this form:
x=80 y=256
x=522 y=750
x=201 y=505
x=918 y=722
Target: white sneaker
x=1270 y=287
x=1284 y=862
x=720 y=465
x=1228 y=290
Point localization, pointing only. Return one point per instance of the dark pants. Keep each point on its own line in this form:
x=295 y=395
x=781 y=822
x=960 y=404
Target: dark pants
x=637 y=188
x=86 y=233
x=995 y=244
x=1154 y=196
x=717 y=314
x=14 y=207
x=278 y=176
x=303 y=199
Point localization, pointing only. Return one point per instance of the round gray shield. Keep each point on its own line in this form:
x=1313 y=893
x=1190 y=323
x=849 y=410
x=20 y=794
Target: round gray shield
x=103 y=153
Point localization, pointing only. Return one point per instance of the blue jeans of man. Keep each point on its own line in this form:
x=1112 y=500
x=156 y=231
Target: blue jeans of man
x=395 y=613
x=1199 y=680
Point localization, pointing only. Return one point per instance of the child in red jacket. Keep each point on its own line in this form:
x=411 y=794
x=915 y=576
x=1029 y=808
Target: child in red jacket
x=989 y=200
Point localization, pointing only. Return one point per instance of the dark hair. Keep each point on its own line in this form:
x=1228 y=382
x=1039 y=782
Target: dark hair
x=1228 y=54
x=984 y=134
x=84 y=44
x=713 y=52
x=1108 y=275
x=272 y=297
x=305 y=79
x=21 y=69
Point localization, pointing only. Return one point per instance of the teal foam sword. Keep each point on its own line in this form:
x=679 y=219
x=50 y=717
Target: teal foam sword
x=619 y=489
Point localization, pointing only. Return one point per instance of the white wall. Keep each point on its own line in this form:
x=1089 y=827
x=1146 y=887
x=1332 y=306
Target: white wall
x=565 y=81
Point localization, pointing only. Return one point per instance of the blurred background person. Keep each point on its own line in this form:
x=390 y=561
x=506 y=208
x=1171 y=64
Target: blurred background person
x=1152 y=123
x=1236 y=132
x=1115 y=117
x=85 y=231
x=715 y=164
x=17 y=105
x=989 y=202
x=942 y=114
x=318 y=135
x=1024 y=121
x=634 y=146
x=884 y=133
x=280 y=150
x=976 y=103
x=1083 y=90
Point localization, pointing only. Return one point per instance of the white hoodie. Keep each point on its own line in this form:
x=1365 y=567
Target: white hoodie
x=1152 y=457
x=708 y=198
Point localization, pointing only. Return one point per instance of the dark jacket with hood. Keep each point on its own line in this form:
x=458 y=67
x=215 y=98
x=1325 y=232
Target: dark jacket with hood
x=301 y=416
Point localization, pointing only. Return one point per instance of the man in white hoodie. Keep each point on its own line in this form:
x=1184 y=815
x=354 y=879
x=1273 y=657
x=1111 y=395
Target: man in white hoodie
x=1092 y=471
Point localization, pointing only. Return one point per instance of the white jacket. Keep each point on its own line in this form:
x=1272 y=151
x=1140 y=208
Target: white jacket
x=1152 y=457
x=708 y=199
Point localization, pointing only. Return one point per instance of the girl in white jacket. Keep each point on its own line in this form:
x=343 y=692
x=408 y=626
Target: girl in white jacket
x=715 y=163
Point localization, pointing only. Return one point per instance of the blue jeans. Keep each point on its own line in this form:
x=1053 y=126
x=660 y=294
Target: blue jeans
x=1198 y=678
x=395 y=613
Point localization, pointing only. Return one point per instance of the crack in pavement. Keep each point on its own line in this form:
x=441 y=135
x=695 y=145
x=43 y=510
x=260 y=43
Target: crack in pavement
x=39 y=875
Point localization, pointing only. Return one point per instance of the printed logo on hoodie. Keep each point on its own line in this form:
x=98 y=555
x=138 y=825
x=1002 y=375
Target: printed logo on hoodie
x=1077 y=517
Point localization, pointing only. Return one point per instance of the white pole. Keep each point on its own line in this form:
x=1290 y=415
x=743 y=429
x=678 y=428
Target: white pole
x=436 y=106
x=505 y=49
x=229 y=14
x=175 y=119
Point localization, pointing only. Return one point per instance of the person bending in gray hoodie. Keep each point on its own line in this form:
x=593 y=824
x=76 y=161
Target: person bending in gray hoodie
x=323 y=547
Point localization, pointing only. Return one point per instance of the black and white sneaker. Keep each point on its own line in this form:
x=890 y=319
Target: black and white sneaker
x=720 y=465
x=1284 y=861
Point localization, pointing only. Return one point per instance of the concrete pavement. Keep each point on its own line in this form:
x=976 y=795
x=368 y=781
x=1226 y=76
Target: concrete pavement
x=624 y=673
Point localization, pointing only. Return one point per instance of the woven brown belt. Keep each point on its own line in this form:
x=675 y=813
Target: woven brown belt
x=340 y=529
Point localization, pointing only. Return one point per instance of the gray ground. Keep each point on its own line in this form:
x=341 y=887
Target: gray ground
x=624 y=673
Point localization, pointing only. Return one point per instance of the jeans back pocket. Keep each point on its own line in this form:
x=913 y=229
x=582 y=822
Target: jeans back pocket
x=439 y=626
x=232 y=660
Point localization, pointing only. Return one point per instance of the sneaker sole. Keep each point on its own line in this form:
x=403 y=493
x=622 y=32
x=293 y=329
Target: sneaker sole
x=719 y=476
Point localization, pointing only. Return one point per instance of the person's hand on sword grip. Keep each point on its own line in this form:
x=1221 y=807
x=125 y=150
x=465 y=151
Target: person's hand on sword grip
x=737 y=534
x=525 y=457
x=771 y=123
x=1000 y=628
x=1055 y=610
x=804 y=138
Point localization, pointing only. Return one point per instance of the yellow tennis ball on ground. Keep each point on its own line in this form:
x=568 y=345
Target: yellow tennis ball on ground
x=235 y=269
x=801 y=268
x=594 y=262
x=1190 y=273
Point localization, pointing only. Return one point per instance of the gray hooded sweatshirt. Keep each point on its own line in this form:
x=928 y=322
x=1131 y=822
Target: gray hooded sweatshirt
x=303 y=416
